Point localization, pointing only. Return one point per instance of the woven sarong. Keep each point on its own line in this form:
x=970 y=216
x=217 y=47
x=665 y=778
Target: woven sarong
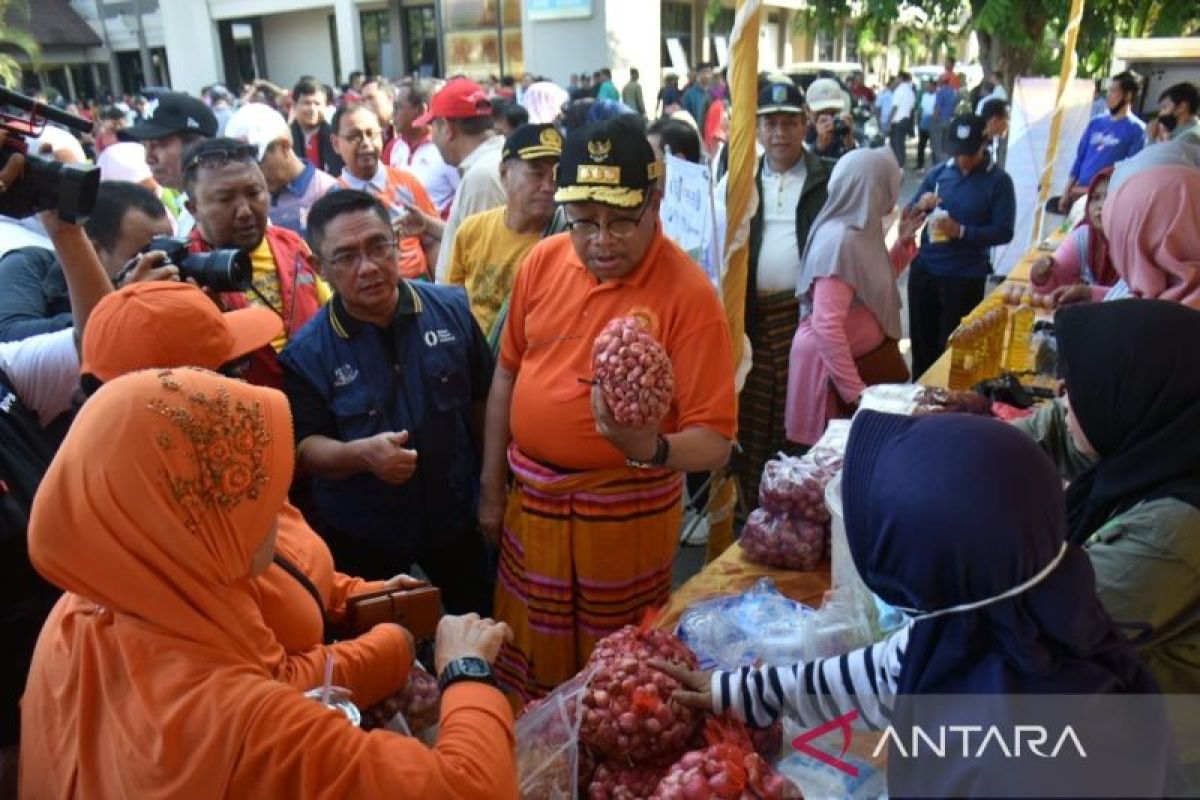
x=582 y=554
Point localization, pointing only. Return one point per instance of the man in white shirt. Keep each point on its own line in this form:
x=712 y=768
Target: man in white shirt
x=904 y=101
x=792 y=185
x=461 y=116
x=995 y=91
x=414 y=149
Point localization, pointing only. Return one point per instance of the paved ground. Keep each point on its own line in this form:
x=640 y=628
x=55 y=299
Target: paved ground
x=690 y=558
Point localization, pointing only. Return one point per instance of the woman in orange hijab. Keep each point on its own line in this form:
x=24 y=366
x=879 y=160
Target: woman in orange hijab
x=152 y=677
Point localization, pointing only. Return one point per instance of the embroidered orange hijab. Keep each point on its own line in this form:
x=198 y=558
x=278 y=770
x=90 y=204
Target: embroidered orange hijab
x=151 y=678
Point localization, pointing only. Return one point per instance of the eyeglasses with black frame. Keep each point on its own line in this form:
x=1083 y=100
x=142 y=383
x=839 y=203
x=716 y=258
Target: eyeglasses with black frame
x=219 y=158
x=621 y=228
x=380 y=251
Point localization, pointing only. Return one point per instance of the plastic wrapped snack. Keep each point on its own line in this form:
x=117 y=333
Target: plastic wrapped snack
x=759 y=625
x=548 y=751
x=784 y=541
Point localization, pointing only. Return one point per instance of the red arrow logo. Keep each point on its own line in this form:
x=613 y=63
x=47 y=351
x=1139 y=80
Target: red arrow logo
x=842 y=723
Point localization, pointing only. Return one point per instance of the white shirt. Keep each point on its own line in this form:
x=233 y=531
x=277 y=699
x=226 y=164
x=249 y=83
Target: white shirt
x=904 y=99
x=997 y=93
x=480 y=190
x=44 y=371
x=377 y=182
x=439 y=178
x=779 y=255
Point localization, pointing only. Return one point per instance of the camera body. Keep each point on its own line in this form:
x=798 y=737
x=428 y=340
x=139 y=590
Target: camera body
x=44 y=184
x=840 y=128
x=218 y=270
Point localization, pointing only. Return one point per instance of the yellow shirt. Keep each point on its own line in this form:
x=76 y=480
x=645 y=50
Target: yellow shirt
x=265 y=277
x=484 y=258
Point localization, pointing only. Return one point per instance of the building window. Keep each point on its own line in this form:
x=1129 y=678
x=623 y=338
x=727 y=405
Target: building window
x=376 y=37
x=676 y=24
x=825 y=48
x=480 y=40
x=851 y=44
x=421 y=41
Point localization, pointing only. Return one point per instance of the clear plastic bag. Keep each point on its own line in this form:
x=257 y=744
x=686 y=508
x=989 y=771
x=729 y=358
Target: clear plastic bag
x=413 y=711
x=547 y=736
x=785 y=541
x=795 y=487
x=758 y=625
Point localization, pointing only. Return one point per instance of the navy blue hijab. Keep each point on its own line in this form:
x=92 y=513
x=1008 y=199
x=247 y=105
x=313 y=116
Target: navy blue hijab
x=1132 y=370
x=952 y=509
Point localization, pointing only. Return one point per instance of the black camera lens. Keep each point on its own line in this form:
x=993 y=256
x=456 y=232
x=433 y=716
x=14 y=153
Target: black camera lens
x=220 y=270
x=45 y=184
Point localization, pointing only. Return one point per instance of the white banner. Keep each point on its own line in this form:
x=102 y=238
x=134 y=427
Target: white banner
x=688 y=214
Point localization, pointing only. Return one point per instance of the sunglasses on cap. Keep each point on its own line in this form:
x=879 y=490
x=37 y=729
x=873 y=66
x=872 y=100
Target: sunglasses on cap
x=223 y=156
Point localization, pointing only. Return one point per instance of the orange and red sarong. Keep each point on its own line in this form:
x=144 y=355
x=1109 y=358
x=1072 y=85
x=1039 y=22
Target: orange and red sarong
x=582 y=554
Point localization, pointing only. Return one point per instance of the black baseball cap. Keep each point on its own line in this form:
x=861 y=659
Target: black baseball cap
x=530 y=142
x=608 y=162
x=780 y=97
x=174 y=113
x=966 y=135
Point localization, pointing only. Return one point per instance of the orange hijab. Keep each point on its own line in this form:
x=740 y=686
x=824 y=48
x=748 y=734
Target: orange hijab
x=152 y=675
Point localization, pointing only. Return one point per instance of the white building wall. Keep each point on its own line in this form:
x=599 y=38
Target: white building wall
x=193 y=50
x=298 y=44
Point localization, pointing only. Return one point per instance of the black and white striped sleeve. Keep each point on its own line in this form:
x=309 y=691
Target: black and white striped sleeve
x=811 y=693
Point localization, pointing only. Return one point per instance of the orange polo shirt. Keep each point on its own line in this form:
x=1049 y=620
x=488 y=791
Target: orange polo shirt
x=394 y=187
x=558 y=309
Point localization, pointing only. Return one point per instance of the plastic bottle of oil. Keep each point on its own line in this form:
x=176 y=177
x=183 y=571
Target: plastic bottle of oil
x=1017 y=356
x=961 y=358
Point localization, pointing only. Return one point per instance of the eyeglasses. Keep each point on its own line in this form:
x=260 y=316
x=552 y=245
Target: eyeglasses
x=381 y=251
x=621 y=228
x=219 y=158
x=358 y=136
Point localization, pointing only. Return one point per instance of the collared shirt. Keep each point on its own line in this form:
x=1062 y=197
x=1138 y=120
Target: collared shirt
x=289 y=208
x=479 y=191
x=397 y=188
x=779 y=256
x=984 y=203
x=558 y=309
x=425 y=160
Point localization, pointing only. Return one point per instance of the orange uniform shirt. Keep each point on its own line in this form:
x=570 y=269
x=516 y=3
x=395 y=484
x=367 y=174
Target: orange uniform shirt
x=401 y=187
x=558 y=309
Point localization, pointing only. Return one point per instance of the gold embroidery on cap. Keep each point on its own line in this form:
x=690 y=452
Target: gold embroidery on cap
x=654 y=170
x=551 y=138
x=228 y=441
x=600 y=150
x=588 y=173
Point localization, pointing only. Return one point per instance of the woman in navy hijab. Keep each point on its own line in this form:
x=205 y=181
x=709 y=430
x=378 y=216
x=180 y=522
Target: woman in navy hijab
x=960 y=522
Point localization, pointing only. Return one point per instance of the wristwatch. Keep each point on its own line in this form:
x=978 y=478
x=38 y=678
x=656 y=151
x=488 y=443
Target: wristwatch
x=466 y=669
x=661 y=453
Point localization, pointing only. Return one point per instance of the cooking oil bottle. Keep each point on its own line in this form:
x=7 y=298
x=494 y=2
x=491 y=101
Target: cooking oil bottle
x=1018 y=357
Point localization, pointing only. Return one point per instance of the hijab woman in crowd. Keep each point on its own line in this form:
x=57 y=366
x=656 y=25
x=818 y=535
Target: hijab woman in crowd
x=1082 y=258
x=1152 y=222
x=1124 y=435
x=153 y=675
x=849 y=305
x=165 y=325
x=1001 y=608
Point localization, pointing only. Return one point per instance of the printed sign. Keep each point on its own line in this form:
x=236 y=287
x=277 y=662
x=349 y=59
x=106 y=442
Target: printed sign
x=543 y=10
x=688 y=215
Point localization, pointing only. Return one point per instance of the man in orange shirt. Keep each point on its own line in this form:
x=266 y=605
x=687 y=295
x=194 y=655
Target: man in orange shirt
x=358 y=139
x=591 y=522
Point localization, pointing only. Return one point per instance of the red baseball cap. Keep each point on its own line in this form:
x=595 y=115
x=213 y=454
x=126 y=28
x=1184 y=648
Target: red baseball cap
x=459 y=99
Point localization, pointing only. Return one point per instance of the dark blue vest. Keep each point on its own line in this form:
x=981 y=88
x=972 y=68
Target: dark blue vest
x=425 y=389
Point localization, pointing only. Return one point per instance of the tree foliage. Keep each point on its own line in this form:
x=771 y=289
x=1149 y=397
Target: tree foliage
x=13 y=36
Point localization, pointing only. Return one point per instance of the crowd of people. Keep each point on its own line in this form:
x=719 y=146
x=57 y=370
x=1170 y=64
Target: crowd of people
x=199 y=473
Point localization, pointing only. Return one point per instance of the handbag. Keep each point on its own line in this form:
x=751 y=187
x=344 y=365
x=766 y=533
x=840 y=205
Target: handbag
x=417 y=610
x=884 y=364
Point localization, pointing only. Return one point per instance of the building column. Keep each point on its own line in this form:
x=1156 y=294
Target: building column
x=349 y=38
x=190 y=36
x=637 y=45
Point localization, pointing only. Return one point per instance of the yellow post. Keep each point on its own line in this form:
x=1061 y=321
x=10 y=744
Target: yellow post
x=1065 y=74
x=741 y=201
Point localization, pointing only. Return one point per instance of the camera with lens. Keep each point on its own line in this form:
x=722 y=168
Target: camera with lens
x=218 y=270
x=44 y=184
x=840 y=128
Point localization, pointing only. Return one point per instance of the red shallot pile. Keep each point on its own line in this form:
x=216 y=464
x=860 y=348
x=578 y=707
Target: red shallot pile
x=629 y=712
x=727 y=769
x=634 y=373
x=419 y=701
x=614 y=781
x=783 y=541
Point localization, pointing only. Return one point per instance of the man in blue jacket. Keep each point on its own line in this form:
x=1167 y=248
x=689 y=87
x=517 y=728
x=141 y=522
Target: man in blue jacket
x=1109 y=138
x=387 y=385
x=972 y=208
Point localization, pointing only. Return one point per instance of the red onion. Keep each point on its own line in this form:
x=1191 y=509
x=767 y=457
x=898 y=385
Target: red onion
x=634 y=373
x=783 y=541
x=796 y=487
x=614 y=781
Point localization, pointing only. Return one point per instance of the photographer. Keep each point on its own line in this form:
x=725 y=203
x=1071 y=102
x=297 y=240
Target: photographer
x=831 y=133
x=228 y=196
x=126 y=218
x=38 y=378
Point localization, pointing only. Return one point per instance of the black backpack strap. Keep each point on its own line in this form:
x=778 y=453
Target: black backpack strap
x=298 y=574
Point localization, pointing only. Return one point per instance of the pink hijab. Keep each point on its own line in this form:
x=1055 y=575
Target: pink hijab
x=1152 y=222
